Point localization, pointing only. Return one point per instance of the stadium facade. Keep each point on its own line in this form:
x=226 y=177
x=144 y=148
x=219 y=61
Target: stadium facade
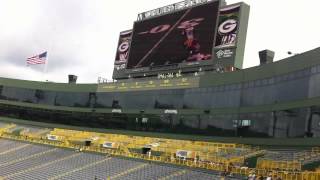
x=280 y=99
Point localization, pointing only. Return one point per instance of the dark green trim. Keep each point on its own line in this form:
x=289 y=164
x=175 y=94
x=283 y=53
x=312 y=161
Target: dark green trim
x=252 y=109
x=290 y=64
x=49 y=86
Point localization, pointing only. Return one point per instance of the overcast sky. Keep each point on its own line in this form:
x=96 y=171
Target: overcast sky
x=81 y=35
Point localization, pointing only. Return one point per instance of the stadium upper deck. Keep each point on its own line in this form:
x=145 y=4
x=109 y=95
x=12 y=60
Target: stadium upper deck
x=280 y=99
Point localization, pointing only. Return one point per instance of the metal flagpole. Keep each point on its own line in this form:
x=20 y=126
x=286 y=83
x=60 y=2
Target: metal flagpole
x=45 y=70
x=46 y=67
x=46 y=64
x=51 y=43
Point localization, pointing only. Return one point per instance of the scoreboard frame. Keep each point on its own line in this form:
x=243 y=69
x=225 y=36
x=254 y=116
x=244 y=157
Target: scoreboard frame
x=233 y=54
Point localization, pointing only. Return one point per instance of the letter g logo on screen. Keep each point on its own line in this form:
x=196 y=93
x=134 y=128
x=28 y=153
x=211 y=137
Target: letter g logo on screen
x=124 y=46
x=228 y=26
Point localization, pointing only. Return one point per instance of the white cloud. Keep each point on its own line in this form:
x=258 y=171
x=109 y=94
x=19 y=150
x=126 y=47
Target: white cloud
x=81 y=35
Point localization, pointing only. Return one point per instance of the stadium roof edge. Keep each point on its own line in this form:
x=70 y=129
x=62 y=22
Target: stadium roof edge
x=284 y=66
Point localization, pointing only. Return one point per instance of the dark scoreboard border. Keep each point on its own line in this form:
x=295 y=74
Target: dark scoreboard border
x=236 y=59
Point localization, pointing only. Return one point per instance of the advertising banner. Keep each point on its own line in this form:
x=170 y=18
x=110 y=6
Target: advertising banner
x=123 y=50
x=185 y=154
x=228 y=27
x=175 y=83
x=110 y=145
x=52 y=137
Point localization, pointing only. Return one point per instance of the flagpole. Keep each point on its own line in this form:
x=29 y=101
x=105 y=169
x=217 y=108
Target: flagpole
x=49 y=49
x=45 y=67
x=46 y=64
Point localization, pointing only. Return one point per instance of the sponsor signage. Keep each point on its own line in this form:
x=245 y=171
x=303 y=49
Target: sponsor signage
x=175 y=83
x=231 y=35
x=227 y=33
x=224 y=53
x=52 y=137
x=110 y=145
x=171 y=111
x=122 y=50
x=170 y=8
x=185 y=154
x=228 y=27
x=116 y=111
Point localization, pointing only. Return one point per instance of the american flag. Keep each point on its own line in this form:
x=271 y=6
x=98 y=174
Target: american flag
x=38 y=59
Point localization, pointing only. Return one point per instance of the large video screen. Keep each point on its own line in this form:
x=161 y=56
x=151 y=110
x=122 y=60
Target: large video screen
x=184 y=36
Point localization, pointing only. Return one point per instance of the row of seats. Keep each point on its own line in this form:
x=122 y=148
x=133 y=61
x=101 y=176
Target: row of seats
x=6 y=145
x=32 y=161
x=304 y=157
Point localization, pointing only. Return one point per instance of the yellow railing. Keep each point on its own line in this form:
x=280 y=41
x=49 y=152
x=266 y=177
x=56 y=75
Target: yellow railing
x=285 y=175
x=207 y=151
x=283 y=165
x=296 y=163
x=6 y=128
x=37 y=134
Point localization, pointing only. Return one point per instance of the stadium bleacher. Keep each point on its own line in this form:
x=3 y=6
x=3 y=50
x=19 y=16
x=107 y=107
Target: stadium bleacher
x=30 y=152
x=291 y=160
x=20 y=160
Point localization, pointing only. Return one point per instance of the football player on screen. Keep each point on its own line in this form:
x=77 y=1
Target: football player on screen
x=192 y=45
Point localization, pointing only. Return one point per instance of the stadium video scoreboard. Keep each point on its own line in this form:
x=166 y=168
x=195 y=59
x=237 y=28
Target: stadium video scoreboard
x=189 y=36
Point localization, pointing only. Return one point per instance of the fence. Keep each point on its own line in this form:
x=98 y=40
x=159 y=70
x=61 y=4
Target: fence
x=290 y=170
